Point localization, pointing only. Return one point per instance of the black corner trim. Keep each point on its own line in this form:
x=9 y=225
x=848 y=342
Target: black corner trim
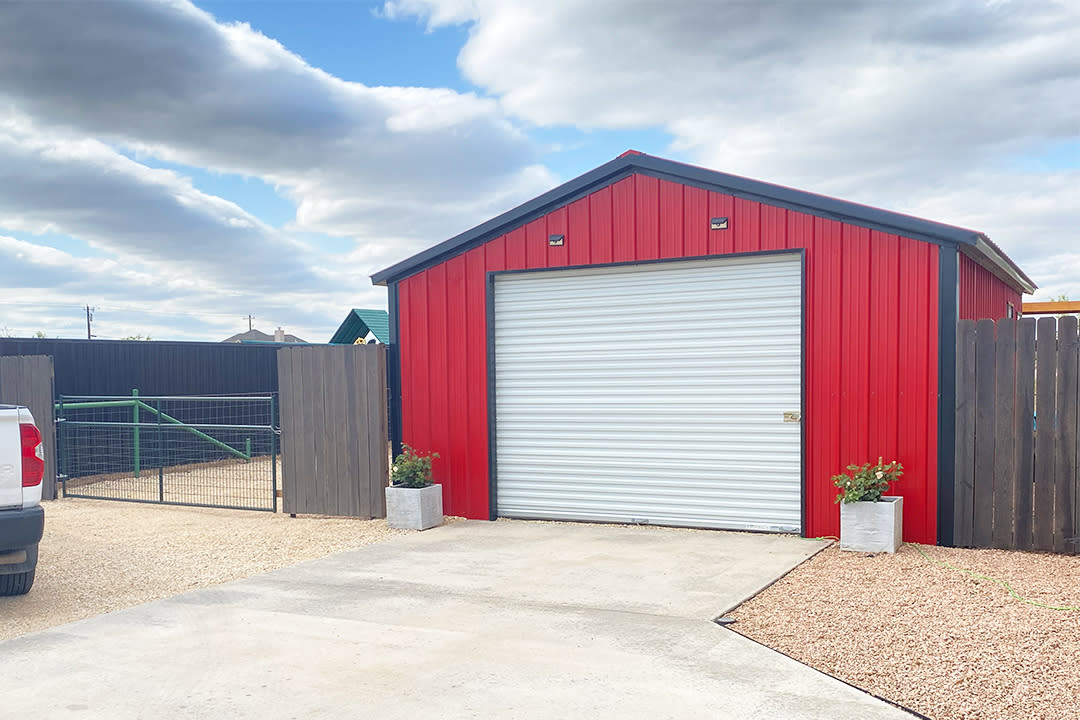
x=606 y=174
x=493 y=485
x=948 y=317
x=394 y=370
x=804 y=480
x=492 y=275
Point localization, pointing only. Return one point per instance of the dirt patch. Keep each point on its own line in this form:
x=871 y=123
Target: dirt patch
x=930 y=638
x=99 y=556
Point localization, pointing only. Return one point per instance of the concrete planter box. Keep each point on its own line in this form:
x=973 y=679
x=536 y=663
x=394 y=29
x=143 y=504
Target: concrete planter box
x=414 y=508
x=872 y=526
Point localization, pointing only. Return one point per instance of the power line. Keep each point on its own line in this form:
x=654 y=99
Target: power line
x=114 y=308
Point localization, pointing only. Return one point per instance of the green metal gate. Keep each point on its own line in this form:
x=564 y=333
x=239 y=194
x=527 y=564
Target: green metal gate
x=218 y=451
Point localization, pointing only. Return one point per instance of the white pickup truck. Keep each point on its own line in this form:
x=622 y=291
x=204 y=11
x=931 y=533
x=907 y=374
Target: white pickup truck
x=22 y=465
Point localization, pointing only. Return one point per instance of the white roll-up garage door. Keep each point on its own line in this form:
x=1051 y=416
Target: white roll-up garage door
x=665 y=393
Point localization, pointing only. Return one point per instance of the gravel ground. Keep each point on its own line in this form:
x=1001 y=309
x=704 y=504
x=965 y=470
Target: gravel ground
x=930 y=638
x=99 y=556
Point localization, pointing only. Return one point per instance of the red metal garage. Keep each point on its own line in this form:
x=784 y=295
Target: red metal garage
x=654 y=322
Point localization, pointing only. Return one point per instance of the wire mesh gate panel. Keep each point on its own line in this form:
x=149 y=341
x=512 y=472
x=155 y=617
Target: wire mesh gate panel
x=218 y=451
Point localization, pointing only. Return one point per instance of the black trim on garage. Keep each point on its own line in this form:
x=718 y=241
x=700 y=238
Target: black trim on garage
x=394 y=370
x=948 y=316
x=493 y=492
x=658 y=261
x=802 y=391
x=565 y=194
x=768 y=193
x=492 y=275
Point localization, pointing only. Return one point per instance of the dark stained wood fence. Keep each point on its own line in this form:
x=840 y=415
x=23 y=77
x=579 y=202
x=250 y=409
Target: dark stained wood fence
x=333 y=429
x=1017 y=394
x=29 y=381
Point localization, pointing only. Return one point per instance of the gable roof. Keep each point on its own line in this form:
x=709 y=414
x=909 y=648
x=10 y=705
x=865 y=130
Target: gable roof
x=359 y=322
x=973 y=243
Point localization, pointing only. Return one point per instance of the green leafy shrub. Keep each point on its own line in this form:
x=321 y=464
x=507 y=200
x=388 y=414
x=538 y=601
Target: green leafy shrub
x=868 y=482
x=411 y=469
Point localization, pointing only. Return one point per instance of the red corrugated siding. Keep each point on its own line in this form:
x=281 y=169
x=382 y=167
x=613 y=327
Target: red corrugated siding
x=982 y=294
x=871 y=348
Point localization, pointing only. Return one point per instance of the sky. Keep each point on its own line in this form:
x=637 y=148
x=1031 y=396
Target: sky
x=180 y=166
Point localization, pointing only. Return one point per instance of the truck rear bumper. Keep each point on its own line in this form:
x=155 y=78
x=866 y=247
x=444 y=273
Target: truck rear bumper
x=21 y=529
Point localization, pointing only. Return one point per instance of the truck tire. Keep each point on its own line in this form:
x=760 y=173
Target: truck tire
x=16 y=584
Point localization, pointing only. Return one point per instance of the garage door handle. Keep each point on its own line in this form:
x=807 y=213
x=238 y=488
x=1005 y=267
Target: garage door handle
x=792 y=416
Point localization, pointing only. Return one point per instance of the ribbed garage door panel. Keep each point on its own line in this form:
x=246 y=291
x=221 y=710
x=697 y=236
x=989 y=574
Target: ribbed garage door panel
x=651 y=393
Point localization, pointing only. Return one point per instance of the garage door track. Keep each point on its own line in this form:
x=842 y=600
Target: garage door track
x=474 y=619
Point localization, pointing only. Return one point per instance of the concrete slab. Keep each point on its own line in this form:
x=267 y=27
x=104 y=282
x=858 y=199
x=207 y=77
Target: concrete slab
x=422 y=626
x=686 y=573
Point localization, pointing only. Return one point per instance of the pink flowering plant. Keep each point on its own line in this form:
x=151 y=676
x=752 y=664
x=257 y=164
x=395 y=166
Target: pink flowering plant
x=867 y=483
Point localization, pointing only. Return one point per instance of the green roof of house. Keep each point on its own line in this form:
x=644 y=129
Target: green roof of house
x=357 y=325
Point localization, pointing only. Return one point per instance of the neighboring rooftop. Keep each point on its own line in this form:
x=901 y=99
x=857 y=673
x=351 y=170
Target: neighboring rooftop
x=257 y=336
x=358 y=323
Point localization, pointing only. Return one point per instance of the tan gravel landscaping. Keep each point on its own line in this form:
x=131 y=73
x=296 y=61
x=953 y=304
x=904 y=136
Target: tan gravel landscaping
x=930 y=638
x=98 y=556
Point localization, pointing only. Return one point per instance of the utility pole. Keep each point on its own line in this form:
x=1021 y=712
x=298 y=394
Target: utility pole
x=249 y=319
x=89 y=317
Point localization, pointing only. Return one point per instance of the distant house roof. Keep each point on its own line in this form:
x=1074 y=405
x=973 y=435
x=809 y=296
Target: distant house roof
x=257 y=336
x=358 y=323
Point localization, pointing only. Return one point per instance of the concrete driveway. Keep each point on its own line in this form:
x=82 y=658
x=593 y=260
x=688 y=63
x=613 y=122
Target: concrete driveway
x=471 y=620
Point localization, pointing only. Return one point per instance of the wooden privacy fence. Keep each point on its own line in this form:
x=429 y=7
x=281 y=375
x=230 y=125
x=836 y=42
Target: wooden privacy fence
x=333 y=413
x=28 y=380
x=1017 y=393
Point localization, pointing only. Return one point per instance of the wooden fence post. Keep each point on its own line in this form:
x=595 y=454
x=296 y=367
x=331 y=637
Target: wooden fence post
x=982 y=533
x=1005 y=436
x=963 y=486
x=1045 y=413
x=1065 y=432
x=1025 y=433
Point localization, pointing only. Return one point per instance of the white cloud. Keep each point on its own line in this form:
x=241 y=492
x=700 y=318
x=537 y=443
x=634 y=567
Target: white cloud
x=84 y=86
x=45 y=289
x=902 y=105
x=83 y=188
x=449 y=12
x=169 y=81
x=923 y=107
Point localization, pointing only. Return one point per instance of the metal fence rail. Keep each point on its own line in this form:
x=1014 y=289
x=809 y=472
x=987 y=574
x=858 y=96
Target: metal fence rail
x=214 y=451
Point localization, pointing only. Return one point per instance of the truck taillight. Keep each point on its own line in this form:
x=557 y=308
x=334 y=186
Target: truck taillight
x=33 y=456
